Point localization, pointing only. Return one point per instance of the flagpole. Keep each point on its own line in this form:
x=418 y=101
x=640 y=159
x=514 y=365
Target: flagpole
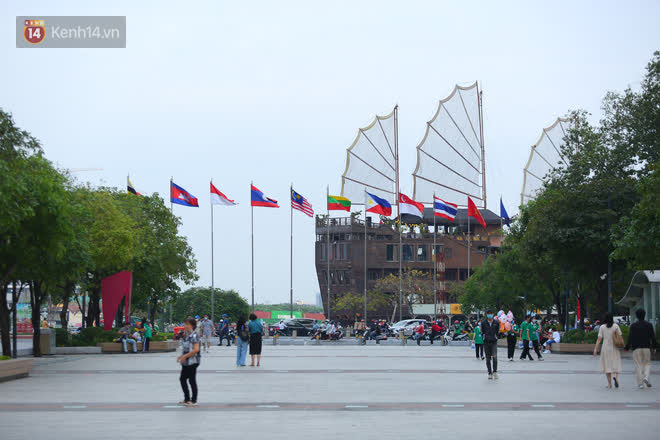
x=469 y=243
x=435 y=264
x=212 y=266
x=252 y=241
x=171 y=204
x=327 y=249
x=291 y=253
x=365 y=256
x=398 y=210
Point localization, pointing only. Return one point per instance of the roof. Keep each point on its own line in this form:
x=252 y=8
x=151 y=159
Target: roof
x=639 y=281
x=461 y=218
x=262 y=315
x=317 y=316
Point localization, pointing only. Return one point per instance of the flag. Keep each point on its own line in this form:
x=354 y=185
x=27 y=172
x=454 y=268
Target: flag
x=409 y=206
x=259 y=199
x=503 y=212
x=180 y=196
x=444 y=209
x=377 y=205
x=301 y=204
x=474 y=213
x=130 y=188
x=218 y=198
x=336 y=203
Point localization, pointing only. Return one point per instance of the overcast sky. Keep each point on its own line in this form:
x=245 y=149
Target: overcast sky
x=275 y=91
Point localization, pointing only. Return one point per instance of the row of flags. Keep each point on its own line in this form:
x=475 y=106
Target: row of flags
x=373 y=203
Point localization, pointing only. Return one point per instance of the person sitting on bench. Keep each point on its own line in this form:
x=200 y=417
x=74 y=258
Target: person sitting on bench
x=125 y=336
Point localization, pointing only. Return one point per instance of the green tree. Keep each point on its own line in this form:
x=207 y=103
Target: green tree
x=416 y=287
x=197 y=301
x=352 y=304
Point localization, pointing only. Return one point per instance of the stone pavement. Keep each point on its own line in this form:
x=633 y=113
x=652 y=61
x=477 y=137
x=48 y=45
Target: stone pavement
x=327 y=392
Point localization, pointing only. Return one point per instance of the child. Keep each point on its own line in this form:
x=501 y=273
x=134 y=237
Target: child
x=478 y=342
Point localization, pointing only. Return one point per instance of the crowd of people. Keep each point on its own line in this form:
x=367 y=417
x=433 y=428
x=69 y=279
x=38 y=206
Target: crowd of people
x=532 y=335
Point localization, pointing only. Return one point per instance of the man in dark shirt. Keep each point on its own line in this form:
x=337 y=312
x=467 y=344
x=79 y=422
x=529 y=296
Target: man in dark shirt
x=642 y=340
x=489 y=329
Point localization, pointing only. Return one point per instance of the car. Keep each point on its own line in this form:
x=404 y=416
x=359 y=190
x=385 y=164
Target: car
x=303 y=326
x=407 y=325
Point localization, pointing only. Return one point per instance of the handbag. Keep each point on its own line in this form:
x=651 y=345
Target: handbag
x=617 y=338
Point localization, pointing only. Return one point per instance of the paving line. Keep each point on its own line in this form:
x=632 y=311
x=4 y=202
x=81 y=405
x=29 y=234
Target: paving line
x=74 y=406
x=543 y=406
x=453 y=406
x=356 y=406
x=267 y=406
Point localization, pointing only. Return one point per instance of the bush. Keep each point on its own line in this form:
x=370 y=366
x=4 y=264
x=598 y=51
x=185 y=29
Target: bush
x=157 y=337
x=4 y=358
x=579 y=336
x=62 y=337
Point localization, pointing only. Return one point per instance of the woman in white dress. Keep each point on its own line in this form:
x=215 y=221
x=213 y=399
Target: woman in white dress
x=610 y=356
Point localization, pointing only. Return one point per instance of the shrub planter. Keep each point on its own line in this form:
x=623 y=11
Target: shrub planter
x=15 y=369
x=154 y=347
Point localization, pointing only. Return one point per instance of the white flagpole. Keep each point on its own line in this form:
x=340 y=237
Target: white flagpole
x=435 y=264
x=469 y=243
x=365 y=255
x=291 y=253
x=212 y=266
x=252 y=241
x=327 y=249
x=398 y=209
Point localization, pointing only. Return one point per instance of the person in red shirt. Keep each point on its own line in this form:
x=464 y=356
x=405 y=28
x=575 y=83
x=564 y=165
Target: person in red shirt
x=420 y=330
x=435 y=331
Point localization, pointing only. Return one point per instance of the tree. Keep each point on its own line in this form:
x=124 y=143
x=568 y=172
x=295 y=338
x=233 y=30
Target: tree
x=352 y=303
x=197 y=301
x=416 y=287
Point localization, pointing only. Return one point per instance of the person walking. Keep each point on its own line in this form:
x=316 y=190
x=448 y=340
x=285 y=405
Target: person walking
x=610 y=357
x=478 y=343
x=256 y=334
x=223 y=330
x=242 y=340
x=189 y=360
x=511 y=339
x=642 y=342
x=524 y=335
x=206 y=332
x=489 y=329
x=533 y=333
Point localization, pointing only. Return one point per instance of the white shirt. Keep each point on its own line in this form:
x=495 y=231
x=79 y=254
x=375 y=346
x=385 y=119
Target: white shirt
x=556 y=336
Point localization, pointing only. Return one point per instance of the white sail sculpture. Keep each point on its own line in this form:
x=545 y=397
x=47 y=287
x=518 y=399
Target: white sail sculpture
x=545 y=155
x=372 y=161
x=450 y=157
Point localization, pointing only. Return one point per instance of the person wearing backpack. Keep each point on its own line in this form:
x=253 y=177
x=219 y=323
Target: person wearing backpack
x=242 y=341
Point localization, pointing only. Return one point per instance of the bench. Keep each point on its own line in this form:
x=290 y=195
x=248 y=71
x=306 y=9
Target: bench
x=154 y=347
x=12 y=369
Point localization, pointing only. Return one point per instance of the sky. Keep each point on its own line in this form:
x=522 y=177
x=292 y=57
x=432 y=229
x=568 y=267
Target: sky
x=274 y=92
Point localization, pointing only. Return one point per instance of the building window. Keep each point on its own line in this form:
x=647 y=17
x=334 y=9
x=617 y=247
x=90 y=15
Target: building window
x=392 y=252
x=422 y=254
x=451 y=275
x=347 y=277
x=322 y=251
x=333 y=278
x=373 y=275
x=448 y=252
x=407 y=252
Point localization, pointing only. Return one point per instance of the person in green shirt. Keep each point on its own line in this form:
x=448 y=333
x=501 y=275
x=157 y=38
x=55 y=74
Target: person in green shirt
x=524 y=335
x=478 y=342
x=511 y=338
x=146 y=335
x=533 y=330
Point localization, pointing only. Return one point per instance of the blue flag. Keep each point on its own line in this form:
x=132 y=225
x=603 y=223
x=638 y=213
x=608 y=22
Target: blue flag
x=503 y=212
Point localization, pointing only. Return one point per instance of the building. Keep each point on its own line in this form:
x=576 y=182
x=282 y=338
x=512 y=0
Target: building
x=345 y=269
x=644 y=293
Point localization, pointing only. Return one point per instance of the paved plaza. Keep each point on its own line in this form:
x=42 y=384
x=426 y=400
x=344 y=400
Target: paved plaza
x=327 y=392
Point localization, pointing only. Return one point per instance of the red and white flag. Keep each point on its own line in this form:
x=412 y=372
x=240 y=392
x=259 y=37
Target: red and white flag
x=218 y=198
x=409 y=206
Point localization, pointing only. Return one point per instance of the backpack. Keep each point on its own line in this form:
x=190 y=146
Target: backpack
x=243 y=334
